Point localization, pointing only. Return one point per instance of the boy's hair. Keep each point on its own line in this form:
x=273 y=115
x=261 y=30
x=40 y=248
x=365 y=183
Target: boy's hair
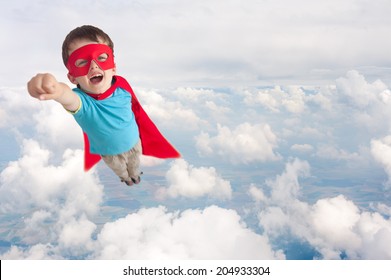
x=88 y=32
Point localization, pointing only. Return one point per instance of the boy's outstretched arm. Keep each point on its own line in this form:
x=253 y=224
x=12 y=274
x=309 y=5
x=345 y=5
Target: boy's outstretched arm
x=46 y=87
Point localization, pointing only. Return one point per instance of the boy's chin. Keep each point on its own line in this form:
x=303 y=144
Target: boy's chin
x=96 y=89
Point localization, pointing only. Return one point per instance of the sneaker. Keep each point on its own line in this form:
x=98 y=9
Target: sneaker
x=136 y=181
x=133 y=180
x=129 y=183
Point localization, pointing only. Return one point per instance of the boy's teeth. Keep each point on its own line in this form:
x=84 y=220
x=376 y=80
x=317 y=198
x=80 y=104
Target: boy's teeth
x=96 y=78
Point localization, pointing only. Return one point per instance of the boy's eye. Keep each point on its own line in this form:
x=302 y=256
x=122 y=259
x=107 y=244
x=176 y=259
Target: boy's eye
x=81 y=62
x=103 y=57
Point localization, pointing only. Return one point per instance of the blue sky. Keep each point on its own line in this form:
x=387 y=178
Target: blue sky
x=281 y=110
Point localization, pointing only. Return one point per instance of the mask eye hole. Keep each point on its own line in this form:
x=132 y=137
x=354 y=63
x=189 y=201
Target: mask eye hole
x=81 y=62
x=103 y=57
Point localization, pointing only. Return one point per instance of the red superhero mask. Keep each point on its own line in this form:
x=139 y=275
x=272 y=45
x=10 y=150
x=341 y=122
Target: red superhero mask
x=80 y=60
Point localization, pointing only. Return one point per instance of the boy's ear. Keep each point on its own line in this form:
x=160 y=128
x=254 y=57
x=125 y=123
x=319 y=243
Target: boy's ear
x=72 y=79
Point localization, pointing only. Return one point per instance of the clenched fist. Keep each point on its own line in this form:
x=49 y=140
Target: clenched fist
x=46 y=87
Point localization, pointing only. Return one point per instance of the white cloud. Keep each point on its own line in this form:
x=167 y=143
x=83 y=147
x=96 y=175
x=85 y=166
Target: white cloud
x=367 y=103
x=245 y=144
x=295 y=103
x=267 y=98
x=150 y=161
x=381 y=151
x=155 y=233
x=17 y=107
x=286 y=186
x=34 y=232
x=32 y=178
x=168 y=113
x=76 y=235
x=188 y=181
x=52 y=125
x=375 y=232
x=292 y=100
x=62 y=196
x=36 y=252
x=256 y=193
x=57 y=128
x=333 y=221
x=218 y=110
x=322 y=98
x=341 y=227
x=381 y=208
x=359 y=92
x=193 y=95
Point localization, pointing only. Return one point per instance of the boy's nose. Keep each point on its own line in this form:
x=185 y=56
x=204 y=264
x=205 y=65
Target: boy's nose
x=93 y=64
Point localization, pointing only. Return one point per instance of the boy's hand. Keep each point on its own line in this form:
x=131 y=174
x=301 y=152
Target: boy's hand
x=44 y=87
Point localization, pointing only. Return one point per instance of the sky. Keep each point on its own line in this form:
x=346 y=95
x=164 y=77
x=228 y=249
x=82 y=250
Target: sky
x=280 y=109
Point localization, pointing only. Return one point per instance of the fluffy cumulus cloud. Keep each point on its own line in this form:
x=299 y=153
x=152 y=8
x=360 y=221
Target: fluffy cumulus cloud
x=286 y=186
x=34 y=179
x=244 y=144
x=192 y=95
x=335 y=227
x=292 y=99
x=339 y=227
x=169 y=113
x=367 y=103
x=381 y=151
x=191 y=234
x=56 y=201
x=48 y=122
x=359 y=92
x=16 y=109
x=56 y=127
x=188 y=181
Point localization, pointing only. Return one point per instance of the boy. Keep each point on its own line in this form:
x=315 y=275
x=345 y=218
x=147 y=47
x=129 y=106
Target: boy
x=103 y=104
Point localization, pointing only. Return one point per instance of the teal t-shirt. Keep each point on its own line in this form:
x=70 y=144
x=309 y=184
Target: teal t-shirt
x=109 y=123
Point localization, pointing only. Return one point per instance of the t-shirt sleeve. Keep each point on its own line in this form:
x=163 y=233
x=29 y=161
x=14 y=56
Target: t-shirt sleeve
x=78 y=109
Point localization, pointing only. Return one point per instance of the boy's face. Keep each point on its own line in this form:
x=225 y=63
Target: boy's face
x=91 y=65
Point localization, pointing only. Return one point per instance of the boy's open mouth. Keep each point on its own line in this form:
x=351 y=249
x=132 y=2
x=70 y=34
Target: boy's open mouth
x=96 y=78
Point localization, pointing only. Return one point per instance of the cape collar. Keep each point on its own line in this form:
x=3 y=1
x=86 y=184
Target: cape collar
x=107 y=93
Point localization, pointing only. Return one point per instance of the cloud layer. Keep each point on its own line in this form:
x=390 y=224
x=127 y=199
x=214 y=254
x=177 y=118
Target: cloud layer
x=64 y=204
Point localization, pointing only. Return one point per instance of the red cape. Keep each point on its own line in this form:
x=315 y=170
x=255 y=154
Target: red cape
x=152 y=141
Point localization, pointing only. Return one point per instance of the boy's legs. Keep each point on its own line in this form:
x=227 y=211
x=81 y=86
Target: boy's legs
x=133 y=161
x=126 y=165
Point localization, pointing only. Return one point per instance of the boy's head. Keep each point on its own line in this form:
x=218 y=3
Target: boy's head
x=87 y=52
x=85 y=32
